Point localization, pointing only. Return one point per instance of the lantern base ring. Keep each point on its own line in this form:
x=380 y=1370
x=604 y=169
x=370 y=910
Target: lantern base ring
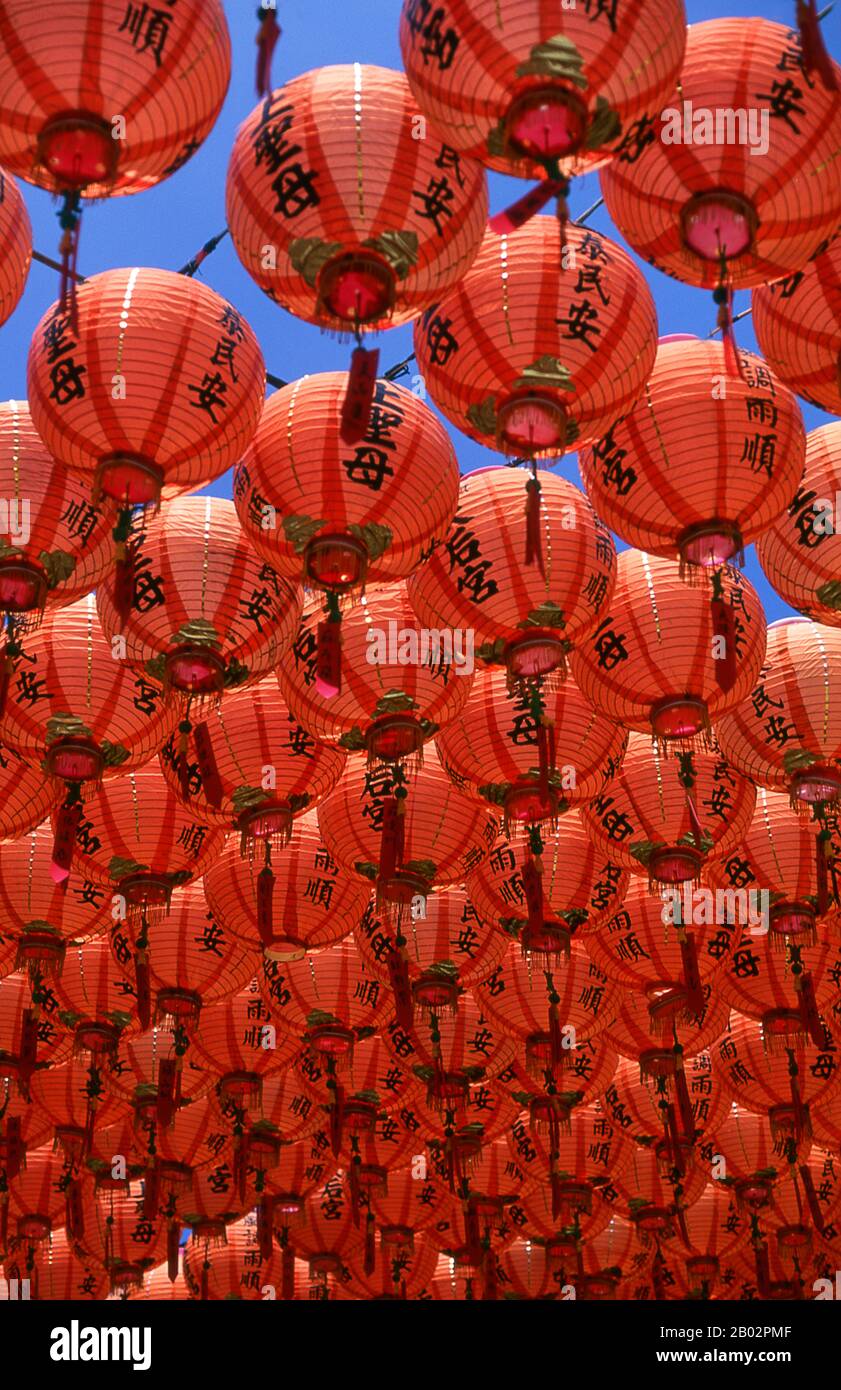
x=74 y=760
x=129 y=479
x=78 y=149
x=546 y=122
x=23 y=586
x=336 y=563
x=710 y=544
x=393 y=737
x=536 y=653
x=719 y=223
x=357 y=287
x=194 y=669
x=531 y=423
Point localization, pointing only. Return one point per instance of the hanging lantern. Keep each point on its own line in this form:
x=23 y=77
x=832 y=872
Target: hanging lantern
x=450 y=1053
x=636 y=1034
x=15 y=245
x=686 y=1102
x=309 y=903
x=26 y=795
x=392 y=685
x=156 y=1286
x=653 y=1197
x=337 y=515
x=407 y=846
x=153 y=391
x=580 y=888
x=803 y=1212
x=611 y=1265
x=59 y=545
x=696 y=472
x=154 y=1071
x=385 y=1272
x=408 y=1208
x=710 y=217
x=328 y=1236
x=30 y=1035
x=799 y=554
x=531 y=754
x=588 y=1070
x=235 y=1269
x=797 y=322
x=663 y=817
x=769 y=1074
x=119 y=1235
x=716 y=1230
x=783 y=871
x=786 y=732
x=517 y=360
x=369 y=224
x=240 y=1042
x=97 y=1004
x=36 y=1197
x=59 y=1271
x=521 y=616
x=190 y=960
x=205 y=615
x=757 y=1159
x=138 y=842
x=78 y=1101
x=525 y=90
x=575 y=1161
x=375 y=1082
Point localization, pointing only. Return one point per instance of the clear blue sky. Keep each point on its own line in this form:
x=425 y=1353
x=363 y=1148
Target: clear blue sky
x=166 y=226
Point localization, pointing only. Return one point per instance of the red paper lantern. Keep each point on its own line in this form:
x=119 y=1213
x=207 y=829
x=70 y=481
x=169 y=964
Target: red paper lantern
x=240 y=1042
x=234 y=1268
x=15 y=245
x=29 y=1036
x=756 y=1159
x=371 y=222
x=151 y=1070
x=688 y=474
x=60 y=1272
x=517 y=360
x=797 y=322
x=119 y=1235
x=27 y=796
x=97 y=1004
x=717 y=1230
x=769 y=1073
x=517 y=86
x=77 y=1101
x=154 y=390
x=693 y=1105
x=799 y=554
x=36 y=1197
x=39 y=915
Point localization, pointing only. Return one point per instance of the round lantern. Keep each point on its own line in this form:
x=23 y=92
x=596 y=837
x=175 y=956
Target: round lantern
x=800 y=553
x=531 y=754
x=154 y=390
x=313 y=505
x=575 y=1161
x=78 y=1101
x=240 y=1043
x=205 y=614
x=137 y=841
x=580 y=887
x=373 y=1076
x=59 y=1271
x=797 y=322
x=701 y=466
x=97 y=1003
x=309 y=902
x=612 y=1265
x=528 y=355
x=665 y=1042
x=157 y=1286
x=803 y=1213
x=118 y=1233
x=397 y=1273
x=31 y=1035
x=707 y=213
x=168 y=74
x=520 y=87
x=406 y=845
x=663 y=817
x=669 y=658
x=756 y=1157
x=152 y=1070
x=520 y=615
x=408 y=1208
x=783 y=871
x=786 y=731
x=769 y=1073
x=234 y=1269
x=367 y=222
x=191 y=960
x=588 y=1071
x=451 y=1052
x=57 y=545
x=15 y=245
x=26 y=795
x=689 y=1100
x=386 y=686
x=716 y=1229
x=70 y=703
x=36 y=1197
x=655 y=1187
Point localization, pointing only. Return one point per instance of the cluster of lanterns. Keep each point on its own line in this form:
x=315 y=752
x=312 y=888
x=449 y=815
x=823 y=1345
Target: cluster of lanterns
x=403 y=894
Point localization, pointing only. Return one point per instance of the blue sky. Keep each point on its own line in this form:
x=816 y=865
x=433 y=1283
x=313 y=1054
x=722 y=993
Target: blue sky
x=167 y=226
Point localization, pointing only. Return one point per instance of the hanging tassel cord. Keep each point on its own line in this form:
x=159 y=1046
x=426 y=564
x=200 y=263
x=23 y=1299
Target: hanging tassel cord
x=724 y=629
x=687 y=777
x=267 y=36
x=207 y=250
x=534 y=548
x=815 y=55
x=723 y=297
x=69 y=219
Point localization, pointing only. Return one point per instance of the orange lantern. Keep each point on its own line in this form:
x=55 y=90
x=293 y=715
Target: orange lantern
x=390 y=687
x=77 y=1101
x=580 y=888
x=451 y=1052
x=528 y=356
x=768 y=1073
x=61 y=1272
x=803 y=1212
x=613 y=1264
x=151 y=1070
x=97 y=1003
x=691 y=1100
x=521 y=616
x=534 y=755
x=799 y=554
x=154 y=390
x=588 y=1071
x=328 y=1237
x=234 y=1268
x=688 y=198
x=118 y=1234
x=663 y=817
x=26 y=795
x=30 y=1035
x=653 y=1195
x=312 y=902
x=339 y=514
x=192 y=960
x=666 y=1042
x=786 y=732
x=34 y=1201
x=408 y=1208
x=407 y=845
x=15 y=245
x=574 y=1161
x=757 y=1159
x=693 y=471
x=520 y=88
x=797 y=322
x=670 y=658
x=205 y=614
x=240 y=1042
x=388 y=1273
x=716 y=1230
x=374 y=1082
x=366 y=222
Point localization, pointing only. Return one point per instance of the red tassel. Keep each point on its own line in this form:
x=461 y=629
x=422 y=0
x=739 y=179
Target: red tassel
x=208 y=769
x=14 y=1148
x=265 y=1224
x=64 y=841
x=4 y=1225
x=821 y=872
x=267 y=37
x=204 y=1286
x=533 y=889
x=812 y=1198
x=370 y=1245
x=562 y=214
x=546 y=757
x=28 y=1055
x=474 y=1244
x=287 y=1278
x=556 y=1046
x=336 y=1117
x=682 y=1227
x=490 y=1283
x=398 y=971
x=359 y=396
x=534 y=549
x=143 y=985
x=694 y=820
x=240 y=1165
x=801 y=1126
x=815 y=56
x=723 y=297
x=391 y=838
x=353 y=1184
x=74 y=1211
x=265 y=893
x=7 y=670
x=328 y=659
x=684 y=1104
x=691 y=974
x=151 y=1192
x=173 y=1247
x=165 y=1108
x=724 y=627
x=525 y=208
x=763 y=1272
x=808 y=1006
x=123 y=582
x=70 y=218
x=673 y=1139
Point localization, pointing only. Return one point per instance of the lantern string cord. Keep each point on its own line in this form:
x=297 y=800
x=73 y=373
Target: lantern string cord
x=209 y=247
